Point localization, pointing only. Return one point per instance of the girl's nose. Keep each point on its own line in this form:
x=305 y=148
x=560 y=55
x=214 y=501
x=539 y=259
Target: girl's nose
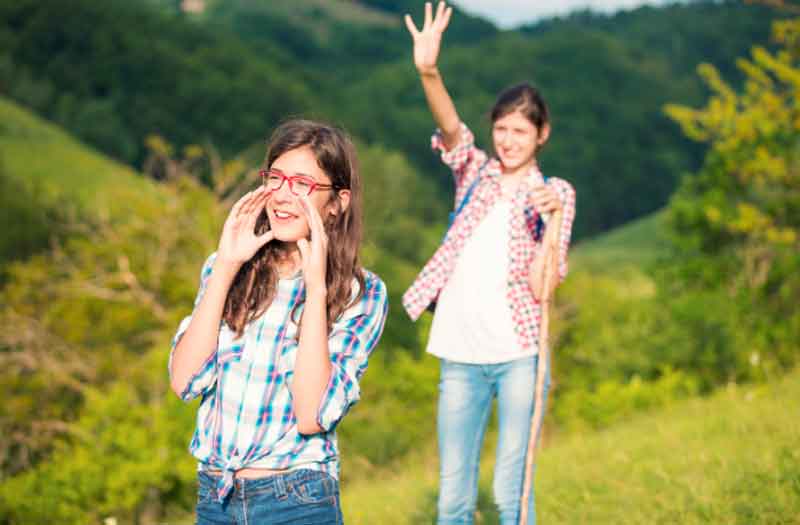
x=283 y=194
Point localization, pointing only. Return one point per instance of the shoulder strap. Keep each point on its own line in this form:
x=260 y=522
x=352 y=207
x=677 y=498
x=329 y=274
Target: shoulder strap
x=467 y=195
x=471 y=188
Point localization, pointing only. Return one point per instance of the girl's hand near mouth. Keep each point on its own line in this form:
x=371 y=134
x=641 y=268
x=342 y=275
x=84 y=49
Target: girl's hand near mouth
x=239 y=242
x=314 y=254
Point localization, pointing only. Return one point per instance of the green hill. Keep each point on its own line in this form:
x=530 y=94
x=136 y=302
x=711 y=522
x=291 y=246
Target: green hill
x=50 y=178
x=636 y=244
x=42 y=154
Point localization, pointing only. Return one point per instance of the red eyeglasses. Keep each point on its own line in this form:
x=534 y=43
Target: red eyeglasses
x=299 y=185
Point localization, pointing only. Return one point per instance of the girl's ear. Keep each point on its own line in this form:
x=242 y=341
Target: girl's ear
x=543 y=135
x=343 y=197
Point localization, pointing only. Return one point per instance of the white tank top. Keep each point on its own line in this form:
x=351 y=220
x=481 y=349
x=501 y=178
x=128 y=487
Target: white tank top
x=472 y=323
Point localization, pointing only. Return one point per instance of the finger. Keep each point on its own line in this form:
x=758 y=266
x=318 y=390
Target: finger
x=314 y=220
x=255 y=210
x=411 y=27
x=428 y=16
x=247 y=207
x=543 y=205
x=238 y=205
x=305 y=205
x=305 y=250
x=552 y=204
x=543 y=194
x=448 y=12
x=264 y=238
x=538 y=196
x=437 y=20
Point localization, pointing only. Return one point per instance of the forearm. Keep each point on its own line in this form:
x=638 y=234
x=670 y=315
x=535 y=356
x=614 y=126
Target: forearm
x=312 y=369
x=441 y=106
x=200 y=339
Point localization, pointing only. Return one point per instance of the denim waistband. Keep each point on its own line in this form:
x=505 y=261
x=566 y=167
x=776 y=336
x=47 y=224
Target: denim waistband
x=276 y=482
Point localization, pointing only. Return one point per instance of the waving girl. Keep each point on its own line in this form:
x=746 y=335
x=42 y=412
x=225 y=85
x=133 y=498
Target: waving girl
x=283 y=325
x=486 y=280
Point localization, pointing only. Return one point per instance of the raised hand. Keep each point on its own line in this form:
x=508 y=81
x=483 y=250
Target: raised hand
x=314 y=254
x=239 y=242
x=427 y=42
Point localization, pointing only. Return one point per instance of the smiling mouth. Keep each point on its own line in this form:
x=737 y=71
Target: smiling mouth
x=283 y=215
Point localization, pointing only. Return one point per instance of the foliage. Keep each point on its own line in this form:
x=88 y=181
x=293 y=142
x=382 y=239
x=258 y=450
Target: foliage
x=227 y=76
x=124 y=458
x=718 y=304
x=102 y=296
x=114 y=72
x=27 y=218
x=737 y=223
x=401 y=395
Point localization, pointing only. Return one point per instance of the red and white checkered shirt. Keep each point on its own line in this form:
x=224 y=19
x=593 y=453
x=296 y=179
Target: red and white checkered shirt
x=468 y=163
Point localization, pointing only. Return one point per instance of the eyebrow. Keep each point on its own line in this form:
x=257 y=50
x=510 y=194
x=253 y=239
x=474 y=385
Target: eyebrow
x=296 y=174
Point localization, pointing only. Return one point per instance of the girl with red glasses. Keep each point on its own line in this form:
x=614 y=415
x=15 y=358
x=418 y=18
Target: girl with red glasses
x=487 y=280
x=281 y=332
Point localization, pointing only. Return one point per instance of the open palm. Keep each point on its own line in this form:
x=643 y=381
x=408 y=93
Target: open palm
x=427 y=41
x=239 y=242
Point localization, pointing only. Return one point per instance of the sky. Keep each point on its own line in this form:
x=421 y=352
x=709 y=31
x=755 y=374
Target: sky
x=510 y=13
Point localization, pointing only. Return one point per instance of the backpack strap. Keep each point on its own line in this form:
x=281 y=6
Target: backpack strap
x=467 y=195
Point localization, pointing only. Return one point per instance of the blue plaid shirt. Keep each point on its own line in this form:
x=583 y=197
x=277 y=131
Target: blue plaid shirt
x=245 y=418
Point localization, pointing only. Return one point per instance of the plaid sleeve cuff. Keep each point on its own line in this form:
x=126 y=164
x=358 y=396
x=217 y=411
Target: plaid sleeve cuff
x=458 y=157
x=352 y=340
x=567 y=194
x=206 y=375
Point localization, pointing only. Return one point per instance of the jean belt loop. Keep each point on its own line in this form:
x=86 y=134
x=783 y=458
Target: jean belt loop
x=280 y=486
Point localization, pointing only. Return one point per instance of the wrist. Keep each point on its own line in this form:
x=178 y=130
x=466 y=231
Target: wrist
x=319 y=293
x=226 y=267
x=428 y=72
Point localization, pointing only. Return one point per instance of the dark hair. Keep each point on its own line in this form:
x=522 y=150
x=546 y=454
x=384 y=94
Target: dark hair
x=254 y=286
x=525 y=99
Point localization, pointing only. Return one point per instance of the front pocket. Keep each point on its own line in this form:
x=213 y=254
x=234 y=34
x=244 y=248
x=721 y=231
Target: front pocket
x=206 y=492
x=315 y=489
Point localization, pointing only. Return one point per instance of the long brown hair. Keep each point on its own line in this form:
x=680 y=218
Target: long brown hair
x=254 y=287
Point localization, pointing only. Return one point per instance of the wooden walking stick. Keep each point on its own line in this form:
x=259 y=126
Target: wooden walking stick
x=550 y=253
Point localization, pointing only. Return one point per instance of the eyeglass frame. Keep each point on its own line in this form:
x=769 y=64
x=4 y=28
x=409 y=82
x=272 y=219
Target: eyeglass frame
x=314 y=185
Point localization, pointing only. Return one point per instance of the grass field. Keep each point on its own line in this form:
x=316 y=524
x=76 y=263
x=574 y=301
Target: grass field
x=732 y=458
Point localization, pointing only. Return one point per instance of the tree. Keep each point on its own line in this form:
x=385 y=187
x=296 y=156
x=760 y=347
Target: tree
x=737 y=223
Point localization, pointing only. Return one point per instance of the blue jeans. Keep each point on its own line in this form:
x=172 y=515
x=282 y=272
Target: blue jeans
x=465 y=401
x=298 y=497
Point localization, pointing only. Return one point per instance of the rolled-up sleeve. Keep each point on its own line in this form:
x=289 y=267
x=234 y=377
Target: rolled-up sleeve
x=464 y=159
x=206 y=376
x=352 y=339
x=567 y=194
